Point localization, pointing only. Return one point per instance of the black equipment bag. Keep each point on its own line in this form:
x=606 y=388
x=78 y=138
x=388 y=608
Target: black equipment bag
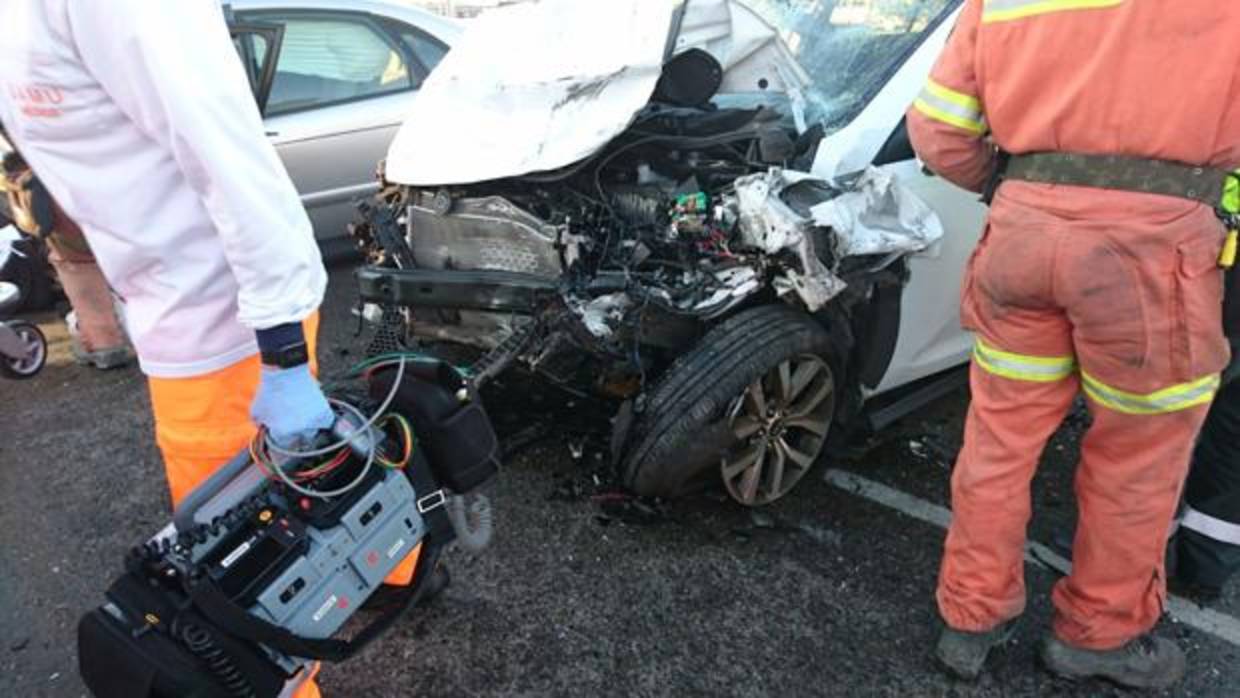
x=452 y=424
x=167 y=649
x=147 y=652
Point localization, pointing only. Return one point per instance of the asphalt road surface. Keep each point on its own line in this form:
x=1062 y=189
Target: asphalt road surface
x=583 y=593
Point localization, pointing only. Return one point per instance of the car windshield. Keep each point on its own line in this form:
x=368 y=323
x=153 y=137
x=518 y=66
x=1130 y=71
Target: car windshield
x=850 y=47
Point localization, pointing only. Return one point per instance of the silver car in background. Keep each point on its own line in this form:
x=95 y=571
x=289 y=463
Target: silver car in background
x=334 y=80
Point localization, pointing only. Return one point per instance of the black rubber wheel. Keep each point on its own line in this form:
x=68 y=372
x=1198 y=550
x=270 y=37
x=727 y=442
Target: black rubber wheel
x=30 y=365
x=708 y=418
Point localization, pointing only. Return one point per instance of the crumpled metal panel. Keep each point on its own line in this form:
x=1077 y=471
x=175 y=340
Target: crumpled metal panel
x=488 y=233
x=874 y=214
x=571 y=75
x=878 y=215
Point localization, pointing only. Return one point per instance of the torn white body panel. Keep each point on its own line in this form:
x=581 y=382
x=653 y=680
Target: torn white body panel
x=878 y=216
x=768 y=224
x=874 y=215
x=736 y=284
x=570 y=76
x=814 y=289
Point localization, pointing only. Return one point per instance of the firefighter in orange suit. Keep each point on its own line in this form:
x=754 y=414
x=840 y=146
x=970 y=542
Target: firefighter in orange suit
x=1098 y=272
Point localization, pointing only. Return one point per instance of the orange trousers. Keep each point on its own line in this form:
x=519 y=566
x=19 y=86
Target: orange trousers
x=1129 y=310
x=204 y=421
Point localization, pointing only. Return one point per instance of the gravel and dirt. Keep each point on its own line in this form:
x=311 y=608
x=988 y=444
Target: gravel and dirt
x=583 y=593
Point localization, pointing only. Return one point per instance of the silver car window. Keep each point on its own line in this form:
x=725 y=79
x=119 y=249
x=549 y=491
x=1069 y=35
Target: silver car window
x=426 y=49
x=327 y=60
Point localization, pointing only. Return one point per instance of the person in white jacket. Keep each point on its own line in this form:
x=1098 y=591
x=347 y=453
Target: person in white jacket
x=137 y=116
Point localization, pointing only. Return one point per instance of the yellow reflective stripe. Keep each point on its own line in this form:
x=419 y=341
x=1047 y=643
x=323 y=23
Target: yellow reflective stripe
x=959 y=98
x=951 y=107
x=949 y=118
x=1023 y=367
x=1006 y=10
x=1172 y=399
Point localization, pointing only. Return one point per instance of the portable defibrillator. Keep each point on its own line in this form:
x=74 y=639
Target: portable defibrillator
x=265 y=561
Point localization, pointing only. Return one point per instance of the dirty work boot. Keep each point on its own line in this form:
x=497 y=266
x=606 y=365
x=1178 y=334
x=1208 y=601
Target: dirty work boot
x=103 y=359
x=1146 y=662
x=964 y=653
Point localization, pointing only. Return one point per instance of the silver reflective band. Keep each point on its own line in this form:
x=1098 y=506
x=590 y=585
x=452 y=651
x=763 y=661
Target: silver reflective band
x=1028 y=371
x=1039 y=369
x=1172 y=399
x=1208 y=526
x=951 y=107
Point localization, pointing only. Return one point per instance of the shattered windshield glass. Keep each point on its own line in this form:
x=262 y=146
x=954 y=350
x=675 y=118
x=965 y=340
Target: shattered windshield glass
x=850 y=47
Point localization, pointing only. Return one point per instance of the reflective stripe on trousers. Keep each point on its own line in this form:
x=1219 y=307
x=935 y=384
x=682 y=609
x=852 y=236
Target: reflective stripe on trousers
x=1211 y=527
x=1042 y=369
x=1173 y=399
x=1025 y=367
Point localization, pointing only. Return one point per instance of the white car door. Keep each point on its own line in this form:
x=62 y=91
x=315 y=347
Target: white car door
x=930 y=338
x=343 y=82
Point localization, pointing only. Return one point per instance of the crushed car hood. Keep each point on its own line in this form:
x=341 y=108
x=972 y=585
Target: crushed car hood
x=540 y=86
x=582 y=110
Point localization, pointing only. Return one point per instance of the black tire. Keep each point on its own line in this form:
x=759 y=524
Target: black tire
x=19 y=369
x=676 y=444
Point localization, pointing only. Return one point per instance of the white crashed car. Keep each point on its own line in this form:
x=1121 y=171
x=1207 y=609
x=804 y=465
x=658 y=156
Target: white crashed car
x=708 y=212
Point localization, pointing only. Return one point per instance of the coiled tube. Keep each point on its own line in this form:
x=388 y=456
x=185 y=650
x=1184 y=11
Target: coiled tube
x=473 y=521
x=200 y=642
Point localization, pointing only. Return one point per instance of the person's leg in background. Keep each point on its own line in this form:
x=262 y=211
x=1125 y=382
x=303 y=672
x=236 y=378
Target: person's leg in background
x=98 y=338
x=1208 y=541
x=1023 y=383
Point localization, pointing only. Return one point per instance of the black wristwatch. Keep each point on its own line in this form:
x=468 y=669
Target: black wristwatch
x=288 y=356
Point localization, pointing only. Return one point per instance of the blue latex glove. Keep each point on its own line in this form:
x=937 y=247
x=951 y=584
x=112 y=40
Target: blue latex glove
x=291 y=405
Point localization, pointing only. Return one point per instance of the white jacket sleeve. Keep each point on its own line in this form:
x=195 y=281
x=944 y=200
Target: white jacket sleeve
x=172 y=68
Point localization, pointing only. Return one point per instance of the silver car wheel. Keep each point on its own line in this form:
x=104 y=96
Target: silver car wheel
x=781 y=423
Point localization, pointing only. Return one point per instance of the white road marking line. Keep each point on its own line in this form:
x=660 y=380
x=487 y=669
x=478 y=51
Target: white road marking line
x=1220 y=625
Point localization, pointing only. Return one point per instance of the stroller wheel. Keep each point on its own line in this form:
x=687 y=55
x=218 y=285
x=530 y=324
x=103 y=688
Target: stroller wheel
x=27 y=366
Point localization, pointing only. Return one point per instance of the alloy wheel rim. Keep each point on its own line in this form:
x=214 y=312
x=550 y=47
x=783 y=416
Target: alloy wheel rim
x=780 y=423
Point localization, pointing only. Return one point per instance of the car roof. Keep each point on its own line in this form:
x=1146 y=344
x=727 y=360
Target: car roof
x=443 y=28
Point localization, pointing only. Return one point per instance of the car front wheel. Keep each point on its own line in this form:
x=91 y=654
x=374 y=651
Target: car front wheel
x=750 y=405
